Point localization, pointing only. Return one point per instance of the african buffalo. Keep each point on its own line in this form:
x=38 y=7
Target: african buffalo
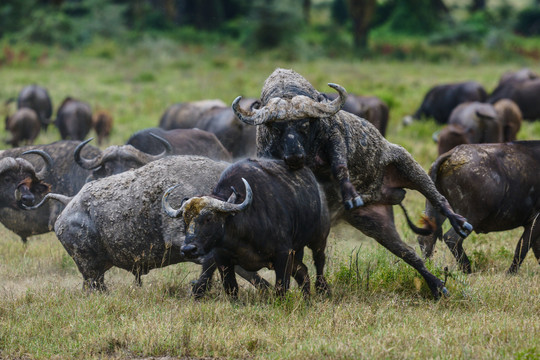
x=37 y=98
x=370 y=108
x=524 y=93
x=471 y=123
x=24 y=126
x=517 y=76
x=183 y=142
x=235 y=136
x=65 y=177
x=298 y=124
x=440 y=100
x=510 y=117
x=269 y=227
x=102 y=122
x=20 y=182
x=497 y=187
x=118 y=220
x=74 y=119
x=186 y=115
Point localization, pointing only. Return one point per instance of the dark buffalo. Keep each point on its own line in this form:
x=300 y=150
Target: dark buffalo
x=471 y=123
x=118 y=220
x=269 y=227
x=442 y=99
x=20 y=182
x=102 y=122
x=524 y=93
x=183 y=142
x=510 y=118
x=497 y=187
x=65 y=177
x=370 y=108
x=298 y=124
x=237 y=138
x=186 y=115
x=24 y=127
x=74 y=119
x=37 y=98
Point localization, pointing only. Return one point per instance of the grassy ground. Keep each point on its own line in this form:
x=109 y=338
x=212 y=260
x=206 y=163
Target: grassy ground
x=379 y=307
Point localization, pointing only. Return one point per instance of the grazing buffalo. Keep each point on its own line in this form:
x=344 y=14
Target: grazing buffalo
x=186 y=115
x=370 y=108
x=471 y=123
x=266 y=225
x=74 y=119
x=65 y=177
x=20 y=182
x=183 y=142
x=442 y=99
x=524 y=93
x=24 y=126
x=37 y=98
x=118 y=220
x=102 y=122
x=510 y=117
x=497 y=187
x=298 y=124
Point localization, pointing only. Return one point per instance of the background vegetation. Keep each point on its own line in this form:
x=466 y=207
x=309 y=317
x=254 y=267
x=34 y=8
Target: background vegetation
x=379 y=308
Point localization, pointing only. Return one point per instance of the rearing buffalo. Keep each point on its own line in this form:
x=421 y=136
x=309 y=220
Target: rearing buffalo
x=298 y=124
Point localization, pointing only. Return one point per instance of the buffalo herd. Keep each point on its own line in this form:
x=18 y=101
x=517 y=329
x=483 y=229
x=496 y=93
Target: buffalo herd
x=249 y=186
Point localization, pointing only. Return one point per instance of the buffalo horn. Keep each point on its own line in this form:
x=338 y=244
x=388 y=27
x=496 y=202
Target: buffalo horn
x=168 y=147
x=227 y=207
x=299 y=107
x=58 y=197
x=48 y=162
x=87 y=164
x=167 y=207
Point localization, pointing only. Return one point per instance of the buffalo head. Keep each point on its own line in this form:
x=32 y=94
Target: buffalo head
x=288 y=118
x=117 y=159
x=20 y=184
x=204 y=219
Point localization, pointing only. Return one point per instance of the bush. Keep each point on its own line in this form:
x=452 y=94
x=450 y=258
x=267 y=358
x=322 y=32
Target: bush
x=528 y=21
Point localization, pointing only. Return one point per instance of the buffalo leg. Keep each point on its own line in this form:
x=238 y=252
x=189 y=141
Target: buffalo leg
x=283 y=267
x=252 y=277
x=455 y=244
x=377 y=222
x=301 y=276
x=229 y=280
x=319 y=258
x=203 y=283
x=94 y=281
x=522 y=248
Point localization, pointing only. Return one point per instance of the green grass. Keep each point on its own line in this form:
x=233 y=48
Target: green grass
x=379 y=308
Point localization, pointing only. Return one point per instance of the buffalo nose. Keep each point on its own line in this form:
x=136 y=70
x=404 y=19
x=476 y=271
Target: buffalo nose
x=189 y=250
x=294 y=161
x=27 y=199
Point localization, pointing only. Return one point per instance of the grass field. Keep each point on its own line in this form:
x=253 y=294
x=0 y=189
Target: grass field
x=379 y=307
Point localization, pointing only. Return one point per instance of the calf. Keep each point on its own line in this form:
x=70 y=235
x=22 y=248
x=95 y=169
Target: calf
x=497 y=187
x=271 y=225
x=510 y=117
x=102 y=122
x=298 y=124
x=118 y=221
x=24 y=126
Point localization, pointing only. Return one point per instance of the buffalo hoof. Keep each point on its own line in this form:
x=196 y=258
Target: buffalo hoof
x=466 y=229
x=355 y=203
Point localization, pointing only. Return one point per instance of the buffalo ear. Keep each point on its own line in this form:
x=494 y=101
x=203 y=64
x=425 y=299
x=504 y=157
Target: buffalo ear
x=232 y=198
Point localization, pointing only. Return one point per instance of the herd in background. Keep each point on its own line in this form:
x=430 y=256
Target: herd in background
x=328 y=165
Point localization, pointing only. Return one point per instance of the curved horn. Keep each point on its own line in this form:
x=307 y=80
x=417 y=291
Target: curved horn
x=167 y=207
x=58 y=197
x=299 y=107
x=46 y=157
x=87 y=164
x=227 y=207
x=168 y=147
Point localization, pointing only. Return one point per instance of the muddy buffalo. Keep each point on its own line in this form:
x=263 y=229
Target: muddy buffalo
x=497 y=187
x=118 y=221
x=24 y=127
x=363 y=174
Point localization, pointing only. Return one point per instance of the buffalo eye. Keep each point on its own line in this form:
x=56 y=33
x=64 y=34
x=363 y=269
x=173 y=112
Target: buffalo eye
x=7 y=179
